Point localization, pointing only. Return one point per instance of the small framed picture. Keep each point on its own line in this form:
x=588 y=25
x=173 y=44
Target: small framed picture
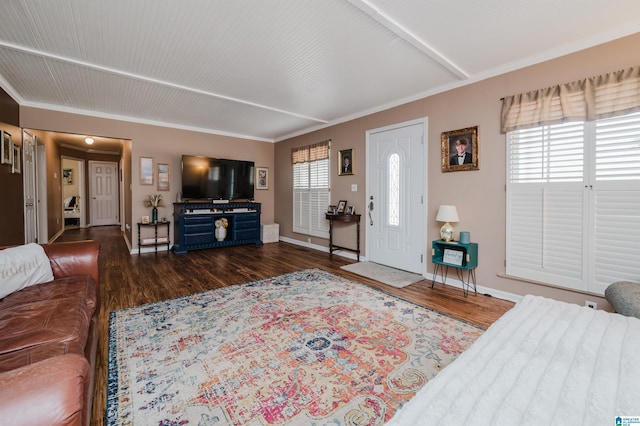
x=164 y=176
x=67 y=176
x=17 y=165
x=262 y=178
x=351 y=210
x=453 y=256
x=332 y=209
x=6 y=145
x=345 y=162
x=342 y=206
x=146 y=171
x=460 y=150
x=145 y=219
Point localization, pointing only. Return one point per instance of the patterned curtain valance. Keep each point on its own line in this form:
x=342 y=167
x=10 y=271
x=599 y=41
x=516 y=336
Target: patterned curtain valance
x=315 y=152
x=606 y=95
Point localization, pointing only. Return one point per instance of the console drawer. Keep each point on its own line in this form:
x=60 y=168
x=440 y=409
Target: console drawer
x=190 y=220
x=197 y=228
x=196 y=239
x=245 y=234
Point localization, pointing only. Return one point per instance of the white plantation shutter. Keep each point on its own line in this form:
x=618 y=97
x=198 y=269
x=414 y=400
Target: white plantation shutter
x=617 y=149
x=573 y=203
x=547 y=154
x=616 y=201
x=311 y=189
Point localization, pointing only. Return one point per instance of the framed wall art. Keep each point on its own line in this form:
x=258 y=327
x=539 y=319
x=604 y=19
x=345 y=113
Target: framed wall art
x=6 y=145
x=67 y=176
x=146 y=171
x=460 y=150
x=345 y=162
x=164 y=176
x=17 y=164
x=262 y=178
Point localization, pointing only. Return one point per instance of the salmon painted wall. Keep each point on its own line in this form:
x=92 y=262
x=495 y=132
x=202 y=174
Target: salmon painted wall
x=478 y=195
x=164 y=145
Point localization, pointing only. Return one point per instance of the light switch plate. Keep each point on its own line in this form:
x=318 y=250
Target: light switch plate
x=354 y=187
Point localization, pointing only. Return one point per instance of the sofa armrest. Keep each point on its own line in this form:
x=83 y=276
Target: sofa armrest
x=74 y=258
x=48 y=392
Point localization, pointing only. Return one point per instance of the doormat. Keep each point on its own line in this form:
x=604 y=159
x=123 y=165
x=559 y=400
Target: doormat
x=385 y=274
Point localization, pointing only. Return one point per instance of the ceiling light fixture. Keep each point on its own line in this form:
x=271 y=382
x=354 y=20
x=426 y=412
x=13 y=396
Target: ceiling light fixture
x=89 y=141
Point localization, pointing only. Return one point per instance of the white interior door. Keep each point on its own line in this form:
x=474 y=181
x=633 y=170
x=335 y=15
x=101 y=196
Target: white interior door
x=396 y=195
x=29 y=182
x=104 y=193
x=41 y=191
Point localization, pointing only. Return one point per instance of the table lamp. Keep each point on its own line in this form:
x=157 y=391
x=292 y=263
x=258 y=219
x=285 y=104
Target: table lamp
x=447 y=214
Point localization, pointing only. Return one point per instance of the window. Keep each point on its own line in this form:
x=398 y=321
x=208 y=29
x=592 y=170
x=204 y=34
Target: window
x=311 y=189
x=573 y=202
x=393 y=196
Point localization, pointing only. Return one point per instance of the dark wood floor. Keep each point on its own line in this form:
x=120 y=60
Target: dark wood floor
x=129 y=280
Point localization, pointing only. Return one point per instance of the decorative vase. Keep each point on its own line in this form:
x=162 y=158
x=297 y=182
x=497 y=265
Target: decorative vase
x=221 y=233
x=154 y=215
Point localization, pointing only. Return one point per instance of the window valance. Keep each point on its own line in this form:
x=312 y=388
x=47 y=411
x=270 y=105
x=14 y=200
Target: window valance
x=602 y=96
x=304 y=154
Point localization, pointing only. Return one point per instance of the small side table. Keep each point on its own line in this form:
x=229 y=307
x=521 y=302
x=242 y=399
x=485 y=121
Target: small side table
x=155 y=241
x=461 y=256
x=349 y=218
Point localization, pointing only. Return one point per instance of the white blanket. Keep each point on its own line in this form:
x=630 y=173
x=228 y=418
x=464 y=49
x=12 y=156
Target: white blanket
x=543 y=363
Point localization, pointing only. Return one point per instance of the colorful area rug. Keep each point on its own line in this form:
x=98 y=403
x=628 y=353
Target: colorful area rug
x=306 y=348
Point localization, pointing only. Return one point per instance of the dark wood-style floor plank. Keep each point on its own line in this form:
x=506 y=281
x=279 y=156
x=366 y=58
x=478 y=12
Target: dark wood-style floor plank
x=131 y=280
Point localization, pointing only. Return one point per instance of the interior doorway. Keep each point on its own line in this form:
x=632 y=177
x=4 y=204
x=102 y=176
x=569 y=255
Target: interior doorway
x=104 y=193
x=73 y=190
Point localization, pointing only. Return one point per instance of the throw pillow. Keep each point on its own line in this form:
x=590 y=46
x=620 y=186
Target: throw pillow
x=23 y=266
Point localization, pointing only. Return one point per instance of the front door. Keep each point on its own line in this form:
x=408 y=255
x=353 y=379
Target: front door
x=396 y=166
x=104 y=193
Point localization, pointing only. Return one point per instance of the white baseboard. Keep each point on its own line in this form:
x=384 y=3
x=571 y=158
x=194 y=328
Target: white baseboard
x=342 y=253
x=499 y=294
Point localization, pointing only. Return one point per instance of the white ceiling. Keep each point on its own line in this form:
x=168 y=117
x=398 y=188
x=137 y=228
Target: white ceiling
x=271 y=69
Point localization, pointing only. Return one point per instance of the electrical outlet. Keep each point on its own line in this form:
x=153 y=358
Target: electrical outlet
x=590 y=304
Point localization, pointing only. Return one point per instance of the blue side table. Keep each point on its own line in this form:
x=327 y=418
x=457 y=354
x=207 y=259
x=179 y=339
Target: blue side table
x=462 y=257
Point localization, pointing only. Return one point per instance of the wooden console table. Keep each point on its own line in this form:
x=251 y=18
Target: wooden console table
x=349 y=218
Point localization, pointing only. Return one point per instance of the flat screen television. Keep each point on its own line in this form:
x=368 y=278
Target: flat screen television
x=205 y=178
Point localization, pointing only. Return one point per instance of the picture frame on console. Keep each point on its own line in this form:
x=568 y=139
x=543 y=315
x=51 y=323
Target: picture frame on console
x=262 y=178
x=342 y=206
x=460 y=150
x=146 y=171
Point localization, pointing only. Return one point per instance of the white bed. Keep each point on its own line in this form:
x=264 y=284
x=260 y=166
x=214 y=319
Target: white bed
x=543 y=363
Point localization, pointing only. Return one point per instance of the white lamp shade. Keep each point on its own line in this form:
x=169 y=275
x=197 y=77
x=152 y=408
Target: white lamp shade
x=447 y=214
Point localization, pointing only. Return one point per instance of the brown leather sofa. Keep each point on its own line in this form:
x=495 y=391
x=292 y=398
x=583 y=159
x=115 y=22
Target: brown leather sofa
x=48 y=342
